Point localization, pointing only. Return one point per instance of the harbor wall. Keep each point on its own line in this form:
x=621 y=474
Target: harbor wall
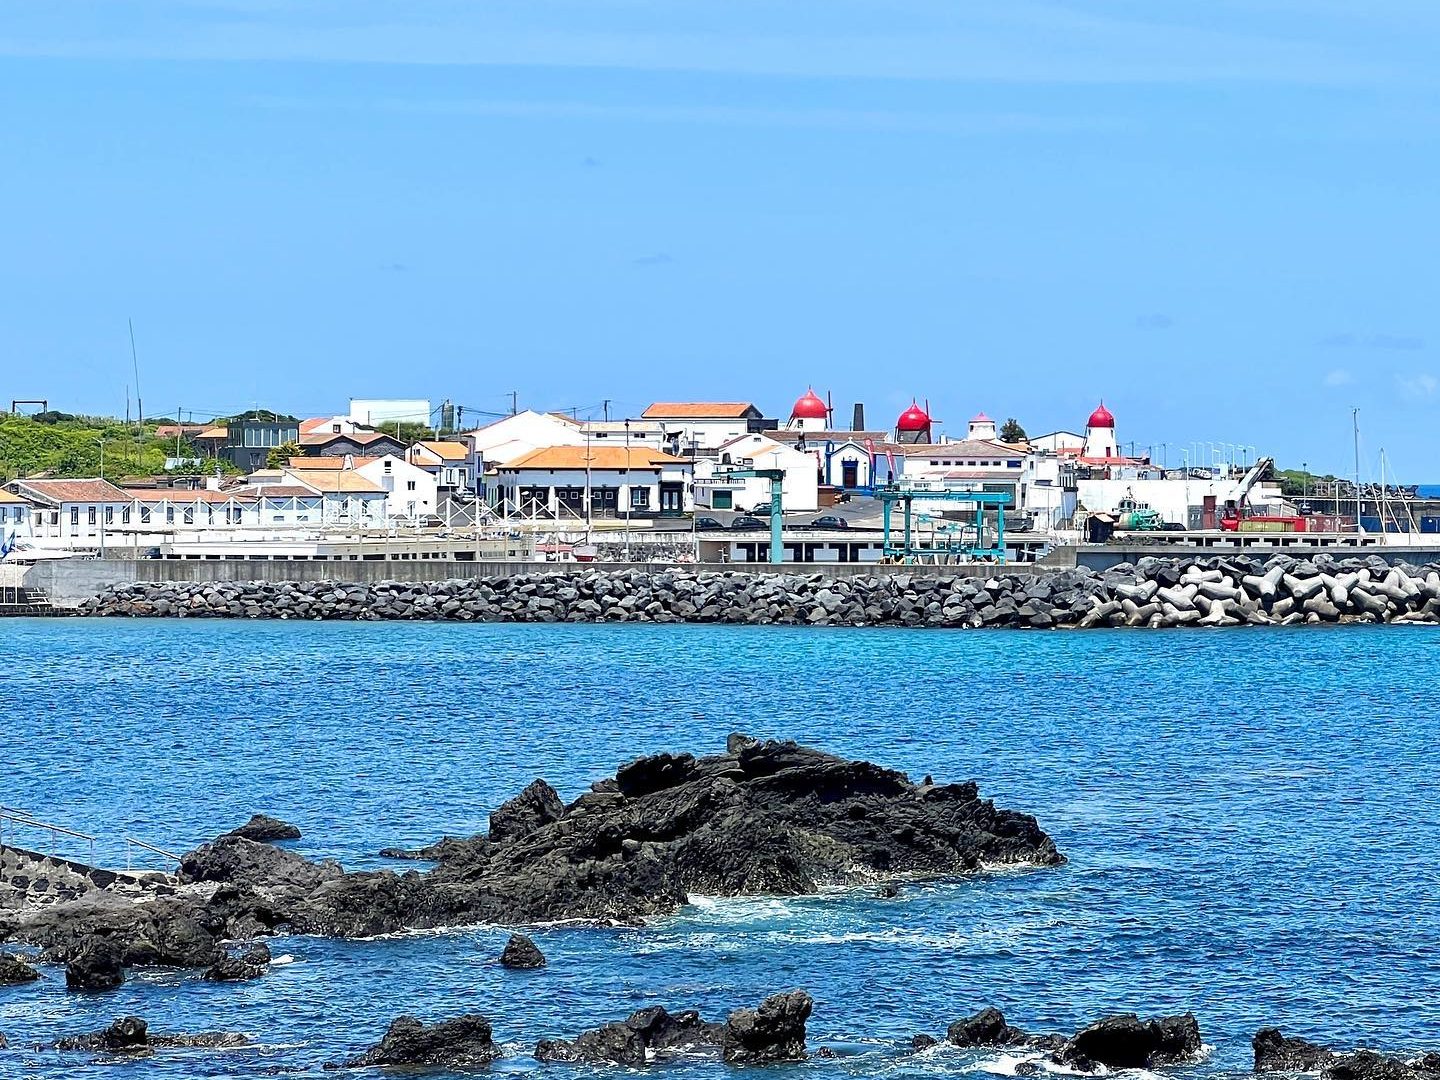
x=1230 y=590
x=68 y=582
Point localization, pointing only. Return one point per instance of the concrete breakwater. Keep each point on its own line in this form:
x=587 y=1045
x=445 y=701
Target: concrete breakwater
x=1231 y=590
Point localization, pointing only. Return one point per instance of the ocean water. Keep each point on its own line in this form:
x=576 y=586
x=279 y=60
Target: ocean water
x=1251 y=818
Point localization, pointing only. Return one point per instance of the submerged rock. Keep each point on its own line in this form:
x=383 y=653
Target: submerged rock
x=1127 y=1042
x=15 y=971
x=457 y=1043
x=241 y=966
x=922 y=1042
x=1275 y=1052
x=266 y=829
x=125 y=1035
x=96 y=965
x=773 y=1032
x=131 y=1035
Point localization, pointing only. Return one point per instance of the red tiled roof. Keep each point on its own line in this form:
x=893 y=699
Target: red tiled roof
x=96 y=491
x=699 y=410
x=596 y=457
x=360 y=438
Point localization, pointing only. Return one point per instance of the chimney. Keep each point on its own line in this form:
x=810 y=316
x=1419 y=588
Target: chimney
x=857 y=423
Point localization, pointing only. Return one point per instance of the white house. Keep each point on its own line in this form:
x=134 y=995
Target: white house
x=347 y=487
x=581 y=483
x=73 y=514
x=330 y=425
x=845 y=459
x=800 y=488
x=515 y=436
x=703 y=425
x=652 y=433
x=452 y=464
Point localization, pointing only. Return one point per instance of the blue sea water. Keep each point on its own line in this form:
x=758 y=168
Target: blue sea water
x=1251 y=818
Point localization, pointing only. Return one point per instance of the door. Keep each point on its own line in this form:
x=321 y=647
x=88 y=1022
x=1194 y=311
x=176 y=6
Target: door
x=849 y=473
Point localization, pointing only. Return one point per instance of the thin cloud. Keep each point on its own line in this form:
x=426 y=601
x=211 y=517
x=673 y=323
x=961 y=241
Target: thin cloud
x=1422 y=385
x=1020 y=41
x=1394 y=342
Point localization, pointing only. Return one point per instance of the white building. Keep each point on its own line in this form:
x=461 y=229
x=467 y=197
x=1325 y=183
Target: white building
x=579 y=483
x=452 y=464
x=704 y=425
x=982 y=429
x=515 y=436
x=14 y=519
x=411 y=493
x=800 y=488
x=73 y=514
x=330 y=425
x=652 y=433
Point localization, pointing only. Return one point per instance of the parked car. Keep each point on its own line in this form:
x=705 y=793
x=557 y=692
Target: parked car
x=747 y=521
x=1171 y=526
x=762 y=509
x=708 y=524
x=829 y=521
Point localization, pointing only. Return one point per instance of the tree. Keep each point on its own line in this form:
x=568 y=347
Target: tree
x=279 y=456
x=1012 y=432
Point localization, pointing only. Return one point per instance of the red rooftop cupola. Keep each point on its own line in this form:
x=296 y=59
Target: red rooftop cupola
x=913 y=419
x=1101 y=418
x=810 y=407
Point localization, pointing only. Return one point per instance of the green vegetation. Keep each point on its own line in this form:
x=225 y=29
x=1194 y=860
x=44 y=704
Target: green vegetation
x=1012 y=432
x=63 y=445
x=1296 y=483
x=279 y=456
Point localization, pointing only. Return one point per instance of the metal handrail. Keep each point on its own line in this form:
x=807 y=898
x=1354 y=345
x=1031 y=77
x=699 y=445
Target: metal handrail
x=147 y=847
x=53 y=829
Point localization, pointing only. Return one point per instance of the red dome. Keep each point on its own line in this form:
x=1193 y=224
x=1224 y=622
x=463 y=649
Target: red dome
x=913 y=419
x=810 y=407
x=1101 y=418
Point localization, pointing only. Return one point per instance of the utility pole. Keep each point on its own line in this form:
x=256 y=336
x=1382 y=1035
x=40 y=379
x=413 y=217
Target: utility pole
x=514 y=402
x=139 y=399
x=628 y=496
x=606 y=406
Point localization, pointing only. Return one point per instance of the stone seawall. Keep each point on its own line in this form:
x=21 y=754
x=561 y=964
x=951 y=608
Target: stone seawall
x=1192 y=591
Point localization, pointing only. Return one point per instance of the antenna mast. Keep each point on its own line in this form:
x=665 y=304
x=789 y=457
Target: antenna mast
x=135 y=361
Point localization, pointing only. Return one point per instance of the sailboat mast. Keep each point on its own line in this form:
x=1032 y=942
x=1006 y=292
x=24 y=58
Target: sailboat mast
x=1355 y=430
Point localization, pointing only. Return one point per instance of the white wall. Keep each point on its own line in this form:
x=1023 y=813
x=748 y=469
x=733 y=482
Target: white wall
x=411 y=492
x=800 y=486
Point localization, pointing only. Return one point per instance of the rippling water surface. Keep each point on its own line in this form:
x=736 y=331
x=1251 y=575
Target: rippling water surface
x=1251 y=819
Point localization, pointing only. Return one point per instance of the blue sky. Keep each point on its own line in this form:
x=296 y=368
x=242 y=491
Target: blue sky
x=1219 y=216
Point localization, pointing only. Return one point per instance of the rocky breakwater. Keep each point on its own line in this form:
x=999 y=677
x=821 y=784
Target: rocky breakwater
x=762 y=817
x=1221 y=590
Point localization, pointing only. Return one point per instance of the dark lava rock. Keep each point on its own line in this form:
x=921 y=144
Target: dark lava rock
x=234 y=860
x=888 y=891
x=456 y=1043
x=985 y=1028
x=3 y=1044
x=96 y=965
x=14 y=971
x=126 y=1035
x=521 y=953
x=764 y=817
x=923 y=1042
x=1368 y=1065
x=680 y=1032
x=1275 y=1053
x=610 y=1044
x=265 y=829
x=1127 y=1042
x=646 y=1031
x=241 y=966
x=130 y=1035
x=773 y=1032
x=539 y=804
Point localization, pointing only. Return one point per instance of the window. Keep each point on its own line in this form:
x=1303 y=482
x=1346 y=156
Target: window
x=639 y=498
x=144 y=515
x=189 y=515
x=55 y=517
x=92 y=515
x=125 y=516
x=410 y=485
x=109 y=515
x=335 y=429
x=210 y=515
x=388 y=465
x=169 y=515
